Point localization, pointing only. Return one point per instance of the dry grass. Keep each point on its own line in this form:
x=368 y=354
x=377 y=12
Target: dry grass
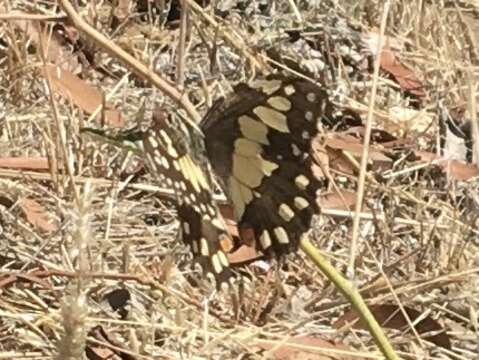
x=114 y=245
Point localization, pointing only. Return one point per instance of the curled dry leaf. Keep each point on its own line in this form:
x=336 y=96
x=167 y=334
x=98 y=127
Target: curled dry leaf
x=391 y=317
x=37 y=215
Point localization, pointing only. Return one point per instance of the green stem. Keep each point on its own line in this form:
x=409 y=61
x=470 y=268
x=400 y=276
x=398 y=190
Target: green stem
x=353 y=296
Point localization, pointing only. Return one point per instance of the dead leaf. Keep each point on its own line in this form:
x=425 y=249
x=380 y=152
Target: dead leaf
x=55 y=49
x=354 y=146
x=454 y=169
x=85 y=96
x=243 y=255
x=346 y=200
x=342 y=142
x=405 y=77
x=37 y=215
x=25 y=162
x=245 y=252
x=391 y=317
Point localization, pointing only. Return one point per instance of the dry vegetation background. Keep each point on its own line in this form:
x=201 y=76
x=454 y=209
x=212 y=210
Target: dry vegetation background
x=90 y=266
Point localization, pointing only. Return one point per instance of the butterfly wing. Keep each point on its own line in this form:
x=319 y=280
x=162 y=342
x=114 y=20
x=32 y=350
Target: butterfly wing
x=170 y=160
x=258 y=142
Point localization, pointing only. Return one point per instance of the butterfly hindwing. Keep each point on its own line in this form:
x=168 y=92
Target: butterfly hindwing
x=202 y=227
x=258 y=142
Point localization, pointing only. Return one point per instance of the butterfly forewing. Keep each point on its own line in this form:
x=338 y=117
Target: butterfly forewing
x=202 y=227
x=258 y=141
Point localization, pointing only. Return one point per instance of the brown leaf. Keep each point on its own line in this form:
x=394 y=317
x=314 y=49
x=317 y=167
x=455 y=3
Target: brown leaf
x=354 y=146
x=455 y=169
x=37 y=215
x=246 y=252
x=243 y=255
x=85 y=96
x=391 y=317
x=24 y=162
x=338 y=143
x=308 y=347
x=389 y=63
x=404 y=76
x=344 y=201
x=54 y=48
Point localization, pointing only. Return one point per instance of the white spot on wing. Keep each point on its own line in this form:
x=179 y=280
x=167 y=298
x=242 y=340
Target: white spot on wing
x=204 y=247
x=309 y=116
x=301 y=182
x=165 y=162
x=176 y=165
x=223 y=259
x=289 y=90
x=300 y=203
x=285 y=212
x=216 y=263
x=218 y=223
x=152 y=141
x=265 y=240
x=194 y=246
x=186 y=227
x=311 y=97
x=211 y=210
x=281 y=235
x=295 y=149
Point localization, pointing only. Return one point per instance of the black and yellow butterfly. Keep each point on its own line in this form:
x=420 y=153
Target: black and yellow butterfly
x=258 y=142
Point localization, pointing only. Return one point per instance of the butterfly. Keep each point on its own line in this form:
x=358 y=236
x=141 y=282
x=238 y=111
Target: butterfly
x=257 y=141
